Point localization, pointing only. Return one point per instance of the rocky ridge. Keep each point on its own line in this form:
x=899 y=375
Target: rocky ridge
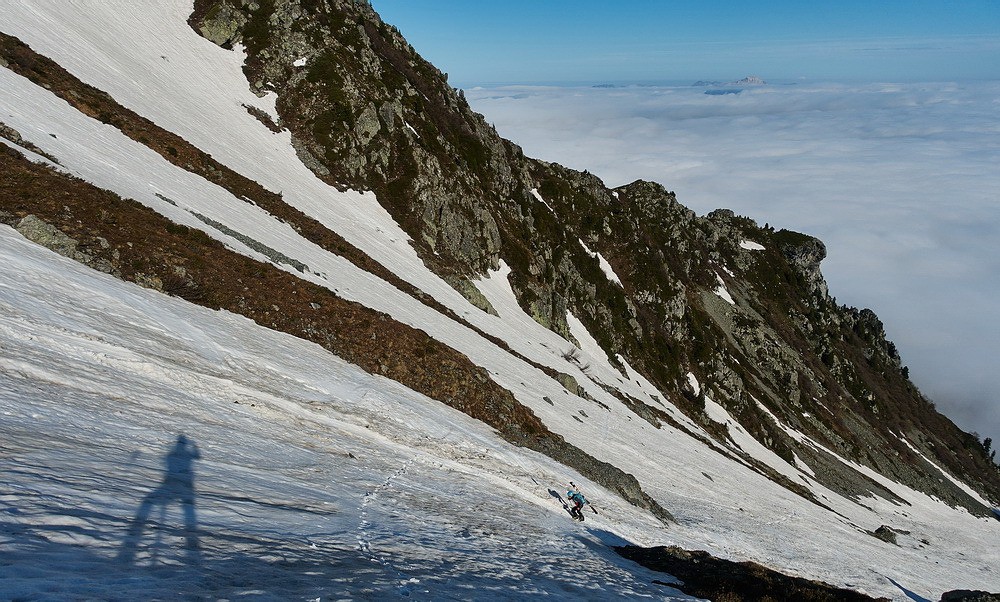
x=367 y=112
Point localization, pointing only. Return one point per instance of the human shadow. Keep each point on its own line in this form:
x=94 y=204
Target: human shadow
x=911 y=595
x=177 y=486
x=609 y=539
x=564 y=503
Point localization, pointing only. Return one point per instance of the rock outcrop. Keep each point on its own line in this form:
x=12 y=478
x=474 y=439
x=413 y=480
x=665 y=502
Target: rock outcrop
x=367 y=112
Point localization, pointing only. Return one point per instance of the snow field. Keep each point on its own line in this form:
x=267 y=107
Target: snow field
x=197 y=90
x=124 y=166
x=103 y=156
x=326 y=482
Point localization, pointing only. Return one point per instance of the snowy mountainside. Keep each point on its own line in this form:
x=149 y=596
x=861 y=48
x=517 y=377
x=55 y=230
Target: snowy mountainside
x=313 y=477
x=543 y=346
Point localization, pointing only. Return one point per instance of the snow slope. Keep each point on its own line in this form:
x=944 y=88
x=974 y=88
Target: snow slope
x=99 y=378
x=315 y=479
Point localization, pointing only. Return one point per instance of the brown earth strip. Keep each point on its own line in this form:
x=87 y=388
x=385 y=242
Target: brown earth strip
x=100 y=105
x=719 y=580
x=133 y=242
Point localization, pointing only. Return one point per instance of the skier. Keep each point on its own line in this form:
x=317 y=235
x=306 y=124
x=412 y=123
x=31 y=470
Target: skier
x=578 y=501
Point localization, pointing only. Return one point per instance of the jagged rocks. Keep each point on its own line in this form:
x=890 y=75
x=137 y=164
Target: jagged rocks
x=804 y=253
x=964 y=595
x=701 y=574
x=348 y=84
x=885 y=533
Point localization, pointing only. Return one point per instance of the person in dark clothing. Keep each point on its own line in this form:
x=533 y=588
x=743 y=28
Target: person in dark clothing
x=577 y=502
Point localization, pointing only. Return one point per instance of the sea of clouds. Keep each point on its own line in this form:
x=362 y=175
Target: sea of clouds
x=901 y=181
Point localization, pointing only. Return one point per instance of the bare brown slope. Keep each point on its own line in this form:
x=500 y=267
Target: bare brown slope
x=122 y=237
x=41 y=70
x=717 y=579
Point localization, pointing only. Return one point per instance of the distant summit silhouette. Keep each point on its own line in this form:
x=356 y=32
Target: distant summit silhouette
x=750 y=80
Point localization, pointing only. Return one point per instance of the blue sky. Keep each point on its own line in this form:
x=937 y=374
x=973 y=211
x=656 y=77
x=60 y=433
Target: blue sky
x=557 y=41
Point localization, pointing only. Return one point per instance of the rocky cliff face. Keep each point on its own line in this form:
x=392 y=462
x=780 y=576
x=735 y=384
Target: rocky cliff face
x=743 y=308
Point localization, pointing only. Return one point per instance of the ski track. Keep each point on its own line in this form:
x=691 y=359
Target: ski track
x=364 y=539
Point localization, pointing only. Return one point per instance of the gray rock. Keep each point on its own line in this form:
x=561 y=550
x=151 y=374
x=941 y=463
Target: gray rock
x=222 y=24
x=308 y=159
x=471 y=293
x=806 y=257
x=885 y=533
x=37 y=231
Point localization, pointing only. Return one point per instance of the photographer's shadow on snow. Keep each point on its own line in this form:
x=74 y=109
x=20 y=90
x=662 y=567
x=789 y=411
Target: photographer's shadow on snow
x=177 y=488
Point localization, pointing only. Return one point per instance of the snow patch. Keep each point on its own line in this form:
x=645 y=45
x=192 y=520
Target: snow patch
x=588 y=344
x=748 y=443
x=605 y=266
x=971 y=492
x=716 y=412
x=723 y=292
x=538 y=197
x=693 y=382
x=750 y=245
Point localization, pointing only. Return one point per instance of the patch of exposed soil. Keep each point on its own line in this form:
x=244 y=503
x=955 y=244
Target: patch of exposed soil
x=137 y=244
x=178 y=151
x=705 y=576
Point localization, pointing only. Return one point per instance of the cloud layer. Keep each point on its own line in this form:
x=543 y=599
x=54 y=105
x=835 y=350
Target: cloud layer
x=901 y=181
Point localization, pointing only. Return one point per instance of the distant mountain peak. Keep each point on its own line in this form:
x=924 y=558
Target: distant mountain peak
x=750 y=80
